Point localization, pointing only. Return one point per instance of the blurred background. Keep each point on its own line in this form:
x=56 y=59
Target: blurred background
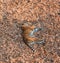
x=12 y=14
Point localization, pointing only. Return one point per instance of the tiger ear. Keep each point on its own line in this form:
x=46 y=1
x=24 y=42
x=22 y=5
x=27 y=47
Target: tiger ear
x=23 y=27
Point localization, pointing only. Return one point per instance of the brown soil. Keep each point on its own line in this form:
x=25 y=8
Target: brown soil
x=12 y=14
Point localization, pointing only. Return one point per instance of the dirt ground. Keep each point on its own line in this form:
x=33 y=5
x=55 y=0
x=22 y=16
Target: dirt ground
x=12 y=14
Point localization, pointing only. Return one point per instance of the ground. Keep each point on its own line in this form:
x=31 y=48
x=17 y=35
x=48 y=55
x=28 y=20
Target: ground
x=12 y=14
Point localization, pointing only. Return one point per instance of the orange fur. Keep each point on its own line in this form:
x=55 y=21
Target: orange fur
x=27 y=30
